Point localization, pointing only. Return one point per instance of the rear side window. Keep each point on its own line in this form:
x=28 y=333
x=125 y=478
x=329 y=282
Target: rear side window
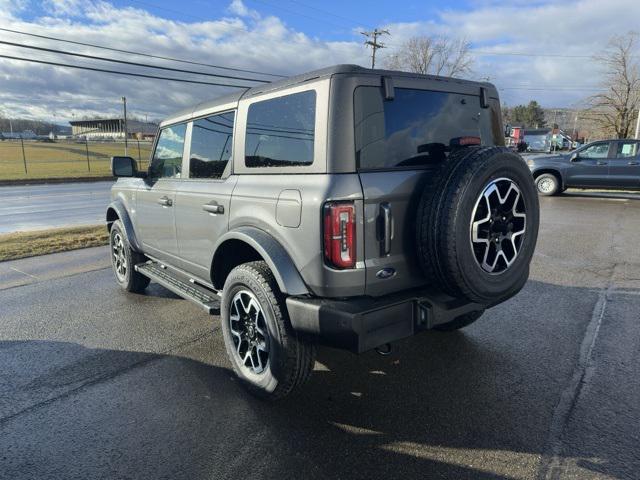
x=418 y=127
x=167 y=157
x=281 y=131
x=626 y=149
x=211 y=142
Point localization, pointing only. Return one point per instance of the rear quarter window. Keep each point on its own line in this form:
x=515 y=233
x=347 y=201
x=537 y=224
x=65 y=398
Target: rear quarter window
x=281 y=131
x=418 y=127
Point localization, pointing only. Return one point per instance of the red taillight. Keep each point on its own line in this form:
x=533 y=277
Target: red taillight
x=340 y=235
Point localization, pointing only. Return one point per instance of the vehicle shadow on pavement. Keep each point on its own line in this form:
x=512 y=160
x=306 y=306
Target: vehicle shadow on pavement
x=109 y=413
x=473 y=404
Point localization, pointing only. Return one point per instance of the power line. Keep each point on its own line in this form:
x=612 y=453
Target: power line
x=200 y=19
x=326 y=12
x=310 y=17
x=516 y=54
x=142 y=75
x=593 y=89
x=523 y=54
x=57 y=39
x=136 y=64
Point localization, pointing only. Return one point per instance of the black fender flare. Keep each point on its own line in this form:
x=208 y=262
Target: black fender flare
x=120 y=211
x=284 y=270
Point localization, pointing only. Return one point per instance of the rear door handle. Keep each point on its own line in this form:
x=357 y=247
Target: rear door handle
x=165 y=201
x=213 y=207
x=602 y=163
x=387 y=228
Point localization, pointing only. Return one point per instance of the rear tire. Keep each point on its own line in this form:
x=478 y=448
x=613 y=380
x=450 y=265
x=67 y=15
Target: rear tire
x=460 y=322
x=123 y=260
x=477 y=225
x=268 y=356
x=548 y=185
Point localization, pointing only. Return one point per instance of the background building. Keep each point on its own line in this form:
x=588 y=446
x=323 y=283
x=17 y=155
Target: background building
x=113 y=128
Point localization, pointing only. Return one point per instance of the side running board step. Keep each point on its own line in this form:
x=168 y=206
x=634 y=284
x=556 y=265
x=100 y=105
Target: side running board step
x=180 y=285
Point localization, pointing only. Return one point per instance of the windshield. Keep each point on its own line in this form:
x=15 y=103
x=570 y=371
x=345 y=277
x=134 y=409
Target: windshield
x=418 y=127
x=538 y=143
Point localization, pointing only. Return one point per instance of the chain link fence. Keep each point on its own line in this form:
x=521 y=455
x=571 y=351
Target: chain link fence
x=24 y=159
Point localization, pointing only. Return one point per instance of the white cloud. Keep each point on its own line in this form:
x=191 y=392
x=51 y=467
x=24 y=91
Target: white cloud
x=10 y=8
x=580 y=27
x=65 y=7
x=265 y=44
x=238 y=7
x=242 y=38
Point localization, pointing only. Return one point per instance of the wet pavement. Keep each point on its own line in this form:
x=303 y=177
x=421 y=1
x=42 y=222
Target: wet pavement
x=96 y=383
x=42 y=206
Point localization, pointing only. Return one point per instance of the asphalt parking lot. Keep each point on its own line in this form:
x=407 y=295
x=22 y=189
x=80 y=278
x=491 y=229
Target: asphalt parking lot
x=99 y=384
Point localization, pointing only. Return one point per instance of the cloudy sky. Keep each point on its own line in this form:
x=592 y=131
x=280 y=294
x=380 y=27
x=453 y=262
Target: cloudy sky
x=530 y=49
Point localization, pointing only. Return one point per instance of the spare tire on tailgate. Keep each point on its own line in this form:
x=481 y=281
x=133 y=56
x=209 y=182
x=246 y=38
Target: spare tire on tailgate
x=477 y=225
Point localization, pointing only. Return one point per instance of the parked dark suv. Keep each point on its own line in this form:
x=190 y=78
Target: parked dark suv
x=346 y=206
x=609 y=164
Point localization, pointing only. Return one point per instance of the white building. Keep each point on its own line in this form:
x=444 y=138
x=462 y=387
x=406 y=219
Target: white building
x=112 y=128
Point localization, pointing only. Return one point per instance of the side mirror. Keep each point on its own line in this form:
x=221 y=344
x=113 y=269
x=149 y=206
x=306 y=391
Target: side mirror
x=574 y=157
x=124 y=167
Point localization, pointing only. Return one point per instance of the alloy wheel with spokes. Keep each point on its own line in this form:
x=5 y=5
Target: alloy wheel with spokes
x=546 y=185
x=119 y=257
x=248 y=327
x=498 y=225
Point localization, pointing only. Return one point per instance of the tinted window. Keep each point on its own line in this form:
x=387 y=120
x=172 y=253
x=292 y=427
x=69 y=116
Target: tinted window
x=538 y=143
x=627 y=149
x=598 y=150
x=280 y=131
x=211 y=142
x=167 y=158
x=418 y=127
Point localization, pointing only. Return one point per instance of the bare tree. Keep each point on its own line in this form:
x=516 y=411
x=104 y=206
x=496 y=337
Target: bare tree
x=615 y=109
x=433 y=55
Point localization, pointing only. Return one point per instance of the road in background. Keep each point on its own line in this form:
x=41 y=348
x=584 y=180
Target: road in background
x=96 y=383
x=36 y=207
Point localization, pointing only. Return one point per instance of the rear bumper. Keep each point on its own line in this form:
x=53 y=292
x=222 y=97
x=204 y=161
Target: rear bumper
x=362 y=323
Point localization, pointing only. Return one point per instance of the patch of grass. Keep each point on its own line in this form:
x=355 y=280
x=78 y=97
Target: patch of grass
x=64 y=159
x=29 y=244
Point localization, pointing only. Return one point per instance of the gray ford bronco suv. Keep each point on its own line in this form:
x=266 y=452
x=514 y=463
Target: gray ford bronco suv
x=347 y=207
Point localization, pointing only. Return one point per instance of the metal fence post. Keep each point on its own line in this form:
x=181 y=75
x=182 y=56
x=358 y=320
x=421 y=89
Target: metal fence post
x=24 y=158
x=86 y=144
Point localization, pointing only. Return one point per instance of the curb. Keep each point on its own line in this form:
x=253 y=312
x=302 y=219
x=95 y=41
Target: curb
x=41 y=181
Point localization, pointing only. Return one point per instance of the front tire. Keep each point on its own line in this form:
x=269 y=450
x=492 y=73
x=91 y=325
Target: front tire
x=123 y=260
x=548 y=184
x=268 y=356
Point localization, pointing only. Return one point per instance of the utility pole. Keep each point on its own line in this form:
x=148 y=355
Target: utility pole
x=553 y=128
x=638 y=125
x=374 y=44
x=124 y=106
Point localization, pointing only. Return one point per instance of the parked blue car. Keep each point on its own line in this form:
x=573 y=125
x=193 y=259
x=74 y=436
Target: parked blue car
x=608 y=164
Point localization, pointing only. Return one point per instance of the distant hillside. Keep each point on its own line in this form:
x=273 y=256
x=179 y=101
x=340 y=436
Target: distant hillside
x=39 y=127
